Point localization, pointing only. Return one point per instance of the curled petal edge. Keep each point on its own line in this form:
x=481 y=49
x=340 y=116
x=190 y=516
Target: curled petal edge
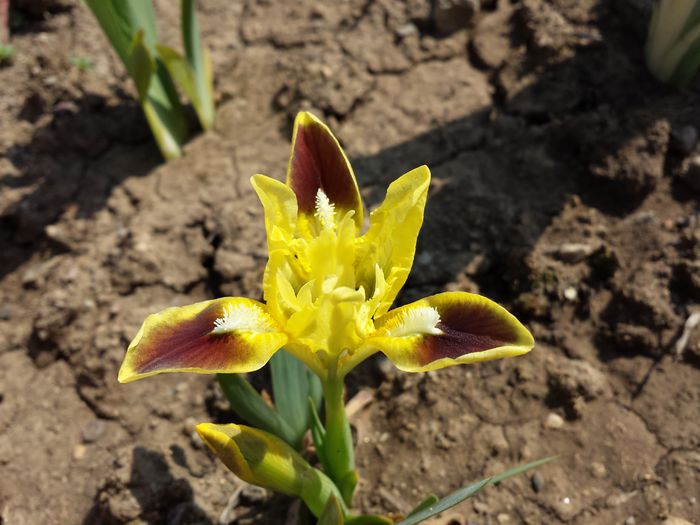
x=448 y=329
x=227 y=335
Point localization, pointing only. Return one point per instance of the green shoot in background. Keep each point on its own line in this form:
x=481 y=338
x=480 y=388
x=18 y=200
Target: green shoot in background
x=156 y=69
x=673 y=43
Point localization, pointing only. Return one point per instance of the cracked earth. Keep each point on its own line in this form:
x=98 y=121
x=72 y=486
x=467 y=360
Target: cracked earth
x=559 y=189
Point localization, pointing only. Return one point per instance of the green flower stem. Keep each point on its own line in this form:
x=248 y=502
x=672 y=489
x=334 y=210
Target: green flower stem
x=338 y=447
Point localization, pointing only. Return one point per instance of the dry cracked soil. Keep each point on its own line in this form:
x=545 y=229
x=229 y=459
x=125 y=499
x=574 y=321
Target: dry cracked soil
x=565 y=186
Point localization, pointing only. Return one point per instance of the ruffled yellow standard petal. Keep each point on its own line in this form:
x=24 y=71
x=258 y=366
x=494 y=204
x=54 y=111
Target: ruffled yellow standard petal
x=317 y=162
x=390 y=243
x=280 y=205
x=448 y=329
x=227 y=335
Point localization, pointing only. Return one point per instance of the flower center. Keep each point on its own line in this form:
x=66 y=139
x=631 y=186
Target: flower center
x=416 y=321
x=325 y=210
x=243 y=318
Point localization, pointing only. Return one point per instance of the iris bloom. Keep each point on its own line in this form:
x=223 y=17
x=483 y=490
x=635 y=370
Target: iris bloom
x=328 y=287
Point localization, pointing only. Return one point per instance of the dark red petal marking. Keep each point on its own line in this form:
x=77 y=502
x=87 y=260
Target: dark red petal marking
x=318 y=162
x=189 y=344
x=468 y=328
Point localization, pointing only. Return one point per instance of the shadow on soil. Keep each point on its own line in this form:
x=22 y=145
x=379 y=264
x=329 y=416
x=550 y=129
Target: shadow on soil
x=161 y=497
x=69 y=169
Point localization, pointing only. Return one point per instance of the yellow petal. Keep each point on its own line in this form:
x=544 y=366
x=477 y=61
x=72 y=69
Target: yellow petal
x=448 y=329
x=228 y=335
x=390 y=242
x=280 y=206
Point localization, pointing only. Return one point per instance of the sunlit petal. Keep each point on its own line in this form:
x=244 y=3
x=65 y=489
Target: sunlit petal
x=449 y=329
x=280 y=205
x=390 y=242
x=225 y=335
x=317 y=162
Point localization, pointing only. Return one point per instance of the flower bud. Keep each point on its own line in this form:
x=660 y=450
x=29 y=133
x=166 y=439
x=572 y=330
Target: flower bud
x=256 y=456
x=263 y=459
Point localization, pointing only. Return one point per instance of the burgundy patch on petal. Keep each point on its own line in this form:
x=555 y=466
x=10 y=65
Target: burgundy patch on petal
x=318 y=163
x=454 y=344
x=467 y=328
x=189 y=344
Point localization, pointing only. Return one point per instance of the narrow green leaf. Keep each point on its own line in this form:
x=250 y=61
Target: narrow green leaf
x=122 y=21
x=180 y=70
x=689 y=63
x=427 y=502
x=369 y=519
x=332 y=513
x=315 y=390
x=446 y=503
x=200 y=63
x=248 y=404
x=521 y=469
x=290 y=388
x=318 y=433
x=141 y=64
x=168 y=143
x=467 y=492
x=142 y=17
x=116 y=25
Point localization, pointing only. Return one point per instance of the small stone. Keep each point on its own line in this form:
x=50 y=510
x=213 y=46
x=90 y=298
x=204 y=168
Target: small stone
x=573 y=378
x=34 y=276
x=452 y=15
x=189 y=426
x=5 y=313
x=536 y=482
x=684 y=139
x=93 y=430
x=481 y=507
x=407 y=30
x=196 y=440
x=79 y=452
x=630 y=521
x=554 y=421
x=504 y=519
x=674 y=520
x=690 y=172
x=571 y=294
x=598 y=470
x=573 y=252
x=618 y=498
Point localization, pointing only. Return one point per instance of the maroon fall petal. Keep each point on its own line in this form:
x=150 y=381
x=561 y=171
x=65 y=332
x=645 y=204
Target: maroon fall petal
x=318 y=162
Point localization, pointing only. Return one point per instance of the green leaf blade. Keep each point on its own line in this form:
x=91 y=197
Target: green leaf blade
x=250 y=405
x=290 y=389
x=467 y=492
x=200 y=63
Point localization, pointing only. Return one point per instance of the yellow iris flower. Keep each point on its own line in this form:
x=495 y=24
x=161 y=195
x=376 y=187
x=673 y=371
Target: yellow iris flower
x=328 y=287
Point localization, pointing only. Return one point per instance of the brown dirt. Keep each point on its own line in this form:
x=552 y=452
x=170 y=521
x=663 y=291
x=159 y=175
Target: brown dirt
x=557 y=190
